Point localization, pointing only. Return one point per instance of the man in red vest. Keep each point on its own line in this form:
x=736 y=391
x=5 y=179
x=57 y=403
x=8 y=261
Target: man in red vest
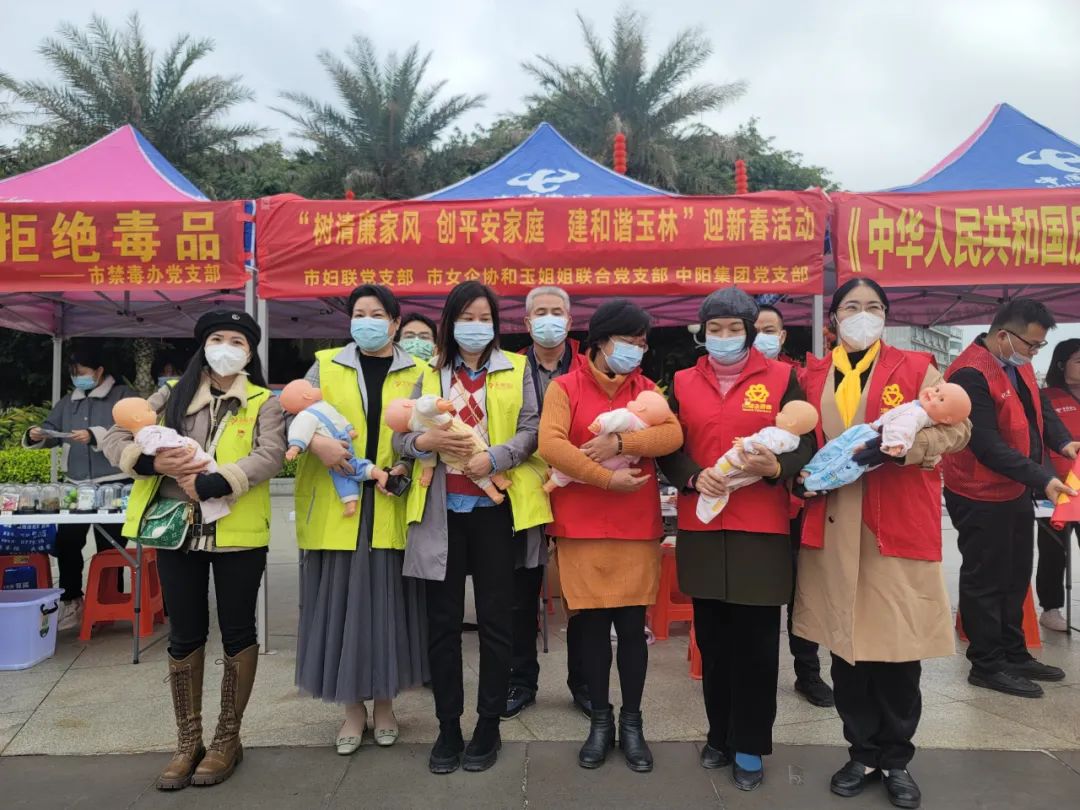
x=552 y=354
x=989 y=488
x=808 y=682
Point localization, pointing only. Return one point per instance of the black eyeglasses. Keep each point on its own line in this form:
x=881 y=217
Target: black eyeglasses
x=1039 y=344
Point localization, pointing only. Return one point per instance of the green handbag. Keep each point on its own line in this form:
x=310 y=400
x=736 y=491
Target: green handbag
x=165 y=523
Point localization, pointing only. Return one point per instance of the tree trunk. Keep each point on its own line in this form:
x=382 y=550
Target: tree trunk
x=143 y=351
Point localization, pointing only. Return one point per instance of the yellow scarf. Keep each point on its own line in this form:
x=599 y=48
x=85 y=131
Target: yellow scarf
x=849 y=391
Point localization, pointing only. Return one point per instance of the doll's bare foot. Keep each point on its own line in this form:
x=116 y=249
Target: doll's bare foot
x=500 y=480
x=493 y=492
x=350 y=508
x=426 y=476
x=550 y=486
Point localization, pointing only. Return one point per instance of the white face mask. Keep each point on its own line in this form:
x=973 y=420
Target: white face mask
x=862 y=330
x=226 y=360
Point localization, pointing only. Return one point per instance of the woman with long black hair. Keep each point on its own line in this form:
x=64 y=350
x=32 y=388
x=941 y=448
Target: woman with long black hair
x=455 y=529
x=1063 y=392
x=222 y=402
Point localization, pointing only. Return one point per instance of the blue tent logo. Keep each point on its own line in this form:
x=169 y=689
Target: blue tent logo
x=543 y=181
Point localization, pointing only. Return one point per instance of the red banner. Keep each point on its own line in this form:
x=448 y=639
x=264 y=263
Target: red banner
x=767 y=242
x=1021 y=236
x=121 y=247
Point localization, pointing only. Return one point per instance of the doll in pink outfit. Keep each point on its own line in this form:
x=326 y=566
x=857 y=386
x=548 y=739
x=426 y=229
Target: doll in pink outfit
x=945 y=404
x=135 y=415
x=646 y=410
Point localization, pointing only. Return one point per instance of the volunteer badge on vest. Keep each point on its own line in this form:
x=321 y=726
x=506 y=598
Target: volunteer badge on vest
x=891 y=397
x=757 y=399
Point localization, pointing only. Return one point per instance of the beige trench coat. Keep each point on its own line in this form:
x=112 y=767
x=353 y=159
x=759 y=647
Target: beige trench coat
x=850 y=598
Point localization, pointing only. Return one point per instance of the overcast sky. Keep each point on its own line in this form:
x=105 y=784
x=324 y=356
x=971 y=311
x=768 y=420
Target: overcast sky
x=876 y=92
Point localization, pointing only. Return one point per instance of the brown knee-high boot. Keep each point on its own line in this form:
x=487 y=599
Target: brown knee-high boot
x=185 y=683
x=226 y=752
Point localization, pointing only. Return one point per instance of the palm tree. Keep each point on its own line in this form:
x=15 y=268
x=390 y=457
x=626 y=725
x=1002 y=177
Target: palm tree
x=109 y=78
x=617 y=92
x=378 y=142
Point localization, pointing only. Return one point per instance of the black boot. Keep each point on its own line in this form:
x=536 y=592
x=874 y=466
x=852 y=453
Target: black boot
x=632 y=742
x=483 y=748
x=446 y=755
x=601 y=739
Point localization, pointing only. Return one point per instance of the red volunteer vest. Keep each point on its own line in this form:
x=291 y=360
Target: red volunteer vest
x=1067 y=407
x=901 y=505
x=711 y=422
x=585 y=511
x=964 y=475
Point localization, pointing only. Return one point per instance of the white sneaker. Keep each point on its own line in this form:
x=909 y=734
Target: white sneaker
x=1053 y=620
x=71 y=615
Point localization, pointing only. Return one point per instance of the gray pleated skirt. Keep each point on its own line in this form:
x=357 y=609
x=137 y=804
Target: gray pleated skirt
x=363 y=626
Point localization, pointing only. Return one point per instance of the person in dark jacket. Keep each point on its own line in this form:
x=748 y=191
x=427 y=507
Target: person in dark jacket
x=86 y=415
x=989 y=488
x=737 y=568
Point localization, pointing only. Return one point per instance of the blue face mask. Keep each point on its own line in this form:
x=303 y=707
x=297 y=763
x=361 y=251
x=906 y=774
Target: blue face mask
x=1016 y=359
x=768 y=345
x=548 y=330
x=370 y=334
x=624 y=357
x=84 y=382
x=473 y=336
x=418 y=347
x=726 y=350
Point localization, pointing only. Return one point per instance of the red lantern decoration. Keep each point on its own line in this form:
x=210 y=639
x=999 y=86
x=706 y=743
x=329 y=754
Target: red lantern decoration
x=742 y=184
x=350 y=194
x=618 y=153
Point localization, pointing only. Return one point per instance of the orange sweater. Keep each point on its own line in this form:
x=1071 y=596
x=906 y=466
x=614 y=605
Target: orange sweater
x=557 y=450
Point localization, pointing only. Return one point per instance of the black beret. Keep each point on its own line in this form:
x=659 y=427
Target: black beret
x=231 y=319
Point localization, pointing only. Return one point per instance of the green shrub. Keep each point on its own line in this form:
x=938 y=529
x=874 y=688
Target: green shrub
x=290 y=469
x=19 y=466
x=14 y=422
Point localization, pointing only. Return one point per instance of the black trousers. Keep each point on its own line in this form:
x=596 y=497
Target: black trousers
x=632 y=658
x=525 y=666
x=997 y=545
x=185 y=584
x=880 y=704
x=805 y=653
x=479 y=543
x=1050 y=573
x=740 y=662
x=70 y=541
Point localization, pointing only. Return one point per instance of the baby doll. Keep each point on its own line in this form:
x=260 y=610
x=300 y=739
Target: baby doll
x=646 y=410
x=795 y=419
x=415 y=415
x=833 y=466
x=314 y=417
x=135 y=414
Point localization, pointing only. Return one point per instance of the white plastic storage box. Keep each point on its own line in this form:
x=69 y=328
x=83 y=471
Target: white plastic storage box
x=27 y=626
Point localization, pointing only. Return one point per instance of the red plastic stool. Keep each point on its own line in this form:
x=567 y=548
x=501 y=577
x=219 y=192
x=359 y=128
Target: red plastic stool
x=1031 y=624
x=39 y=561
x=671 y=605
x=694 y=654
x=105 y=602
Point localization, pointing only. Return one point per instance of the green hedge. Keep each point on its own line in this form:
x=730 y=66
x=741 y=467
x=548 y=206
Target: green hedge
x=290 y=470
x=14 y=422
x=21 y=466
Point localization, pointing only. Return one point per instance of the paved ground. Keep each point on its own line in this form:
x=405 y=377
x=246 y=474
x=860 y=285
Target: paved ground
x=536 y=775
x=89 y=700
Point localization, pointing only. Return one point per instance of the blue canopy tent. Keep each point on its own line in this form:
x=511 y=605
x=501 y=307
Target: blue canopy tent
x=543 y=165
x=1008 y=150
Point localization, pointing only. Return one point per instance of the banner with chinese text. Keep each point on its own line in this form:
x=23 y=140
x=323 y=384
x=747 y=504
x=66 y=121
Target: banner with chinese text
x=766 y=242
x=1016 y=236
x=122 y=247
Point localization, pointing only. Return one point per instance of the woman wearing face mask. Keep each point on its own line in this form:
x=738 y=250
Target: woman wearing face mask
x=1063 y=393
x=361 y=635
x=222 y=402
x=416 y=335
x=85 y=415
x=607 y=526
x=737 y=568
x=456 y=530
x=870 y=585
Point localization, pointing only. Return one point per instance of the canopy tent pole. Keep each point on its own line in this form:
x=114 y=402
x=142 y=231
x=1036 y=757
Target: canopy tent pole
x=57 y=372
x=262 y=605
x=818 y=326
